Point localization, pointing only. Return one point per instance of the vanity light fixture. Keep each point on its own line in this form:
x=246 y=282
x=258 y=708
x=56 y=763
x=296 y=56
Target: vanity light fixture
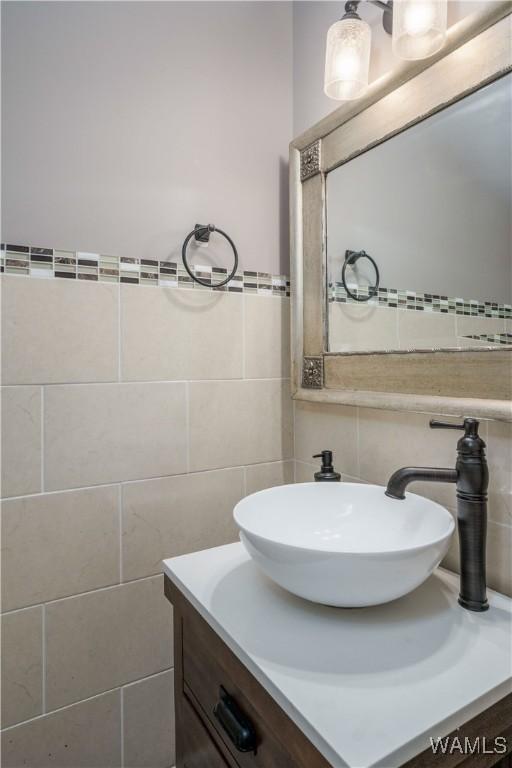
x=418 y=28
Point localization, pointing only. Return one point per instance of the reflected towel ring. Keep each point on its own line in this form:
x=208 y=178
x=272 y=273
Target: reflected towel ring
x=350 y=258
x=202 y=234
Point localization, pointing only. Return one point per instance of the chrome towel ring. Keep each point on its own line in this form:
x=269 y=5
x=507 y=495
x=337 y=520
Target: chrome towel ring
x=202 y=234
x=350 y=258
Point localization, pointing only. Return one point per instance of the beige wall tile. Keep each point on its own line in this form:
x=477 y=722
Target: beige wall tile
x=176 y=335
x=104 y=639
x=305 y=473
x=261 y=476
x=499 y=562
x=267 y=337
x=464 y=342
x=58 y=331
x=321 y=427
x=499 y=558
x=87 y=735
x=499 y=457
x=22 y=664
x=389 y=440
x=21 y=440
x=451 y=559
x=355 y=327
x=59 y=544
x=149 y=723
x=108 y=432
x=175 y=515
x=469 y=325
x=425 y=329
x=237 y=423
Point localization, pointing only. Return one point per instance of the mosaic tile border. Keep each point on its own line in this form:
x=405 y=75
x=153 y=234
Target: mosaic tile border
x=80 y=265
x=493 y=338
x=423 y=302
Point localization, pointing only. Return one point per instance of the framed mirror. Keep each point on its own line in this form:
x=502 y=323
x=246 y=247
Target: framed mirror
x=401 y=235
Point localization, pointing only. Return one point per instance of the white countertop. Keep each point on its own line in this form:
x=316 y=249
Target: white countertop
x=367 y=686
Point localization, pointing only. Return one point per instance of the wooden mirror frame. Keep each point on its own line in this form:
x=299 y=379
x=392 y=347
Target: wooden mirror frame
x=477 y=382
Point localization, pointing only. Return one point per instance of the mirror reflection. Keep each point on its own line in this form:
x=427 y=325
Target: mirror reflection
x=419 y=234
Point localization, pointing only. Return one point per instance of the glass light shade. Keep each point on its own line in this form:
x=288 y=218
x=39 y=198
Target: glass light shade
x=347 y=59
x=419 y=27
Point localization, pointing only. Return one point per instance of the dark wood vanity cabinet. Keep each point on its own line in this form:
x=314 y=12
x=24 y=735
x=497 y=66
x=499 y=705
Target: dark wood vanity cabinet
x=206 y=671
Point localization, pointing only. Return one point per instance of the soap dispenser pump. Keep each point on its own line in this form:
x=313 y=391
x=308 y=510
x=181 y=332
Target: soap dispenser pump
x=326 y=473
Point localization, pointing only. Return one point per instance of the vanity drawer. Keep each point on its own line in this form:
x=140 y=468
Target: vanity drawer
x=211 y=671
x=198 y=748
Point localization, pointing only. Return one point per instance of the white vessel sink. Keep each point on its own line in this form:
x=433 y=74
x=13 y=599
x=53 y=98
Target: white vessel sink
x=343 y=544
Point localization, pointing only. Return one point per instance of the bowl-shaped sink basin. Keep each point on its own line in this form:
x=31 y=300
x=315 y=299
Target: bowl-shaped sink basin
x=343 y=544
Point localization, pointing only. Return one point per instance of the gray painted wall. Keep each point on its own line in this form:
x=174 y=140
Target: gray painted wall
x=125 y=123
x=311 y=20
x=433 y=203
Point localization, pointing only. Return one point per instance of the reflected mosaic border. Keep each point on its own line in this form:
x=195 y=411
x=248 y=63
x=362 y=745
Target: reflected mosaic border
x=425 y=302
x=493 y=338
x=80 y=265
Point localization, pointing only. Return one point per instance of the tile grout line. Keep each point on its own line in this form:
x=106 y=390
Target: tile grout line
x=121 y=691
x=245 y=481
x=358 y=440
x=187 y=425
x=43 y=658
x=89 y=698
x=132 y=382
x=114 y=483
x=120 y=509
x=42 y=439
x=119 y=364
x=115 y=585
x=294 y=422
x=244 y=335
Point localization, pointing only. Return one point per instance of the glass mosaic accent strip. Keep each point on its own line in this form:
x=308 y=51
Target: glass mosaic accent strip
x=493 y=338
x=422 y=302
x=97 y=267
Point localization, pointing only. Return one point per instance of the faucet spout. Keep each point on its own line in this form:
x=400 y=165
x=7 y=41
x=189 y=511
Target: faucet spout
x=400 y=479
x=471 y=478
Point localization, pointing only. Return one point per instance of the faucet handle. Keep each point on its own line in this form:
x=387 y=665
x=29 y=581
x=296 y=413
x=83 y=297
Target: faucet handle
x=469 y=426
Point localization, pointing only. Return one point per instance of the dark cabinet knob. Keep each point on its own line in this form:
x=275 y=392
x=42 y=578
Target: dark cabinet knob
x=237 y=726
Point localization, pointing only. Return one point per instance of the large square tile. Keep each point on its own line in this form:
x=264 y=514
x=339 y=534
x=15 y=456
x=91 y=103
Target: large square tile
x=267 y=337
x=261 y=476
x=59 y=544
x=175 y=515
x=110 y=432
x=469 y=325
x=499 y=457
x=22 y=665
x=322 y=426
x=174 y=334
x=105 y=639
x=21 y=440
x=499 y=558
x=237 y=423
x=58 y=331
x=149 y=722
x=87 y=735
x=425 y=330
x=389 y=440
x=353 y=327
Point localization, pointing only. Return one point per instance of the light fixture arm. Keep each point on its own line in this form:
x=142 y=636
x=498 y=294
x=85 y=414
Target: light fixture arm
x=351 y=7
